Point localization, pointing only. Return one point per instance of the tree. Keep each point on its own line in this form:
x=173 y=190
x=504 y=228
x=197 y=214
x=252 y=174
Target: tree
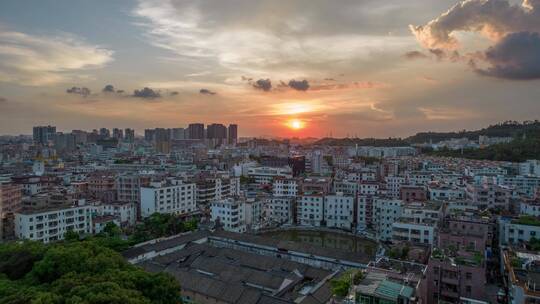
x=112 y=230
x=80 y=272
x=71 y=236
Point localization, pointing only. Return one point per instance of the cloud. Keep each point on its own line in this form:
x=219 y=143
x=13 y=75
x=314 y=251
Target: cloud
x=269 y=35
x=513 y=29
x=263 y=84
x=329 y=79
x=146 y=93
x=45 y=60
x=445 y=113
x=79 y=91
x=415 y=55
x=346 y=86
x=493 y=18
x=516 y=56
x=174 y=93
x=206 y=92
x=299 y=85
x=108 y=89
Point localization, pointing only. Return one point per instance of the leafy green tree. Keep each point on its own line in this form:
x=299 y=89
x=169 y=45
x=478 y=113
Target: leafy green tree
x=80 y=272
x=71 y=236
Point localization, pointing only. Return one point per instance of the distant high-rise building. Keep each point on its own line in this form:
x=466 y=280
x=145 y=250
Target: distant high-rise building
x=149 y=135
x=42 y=134
x=178 y=133
x=81 y=137
x=233 y=134
x=129 y=135
x=162 y=140
x=216 y=131
x=65 y=142
x=104 y=133
x=196 y=131
x=118 y=134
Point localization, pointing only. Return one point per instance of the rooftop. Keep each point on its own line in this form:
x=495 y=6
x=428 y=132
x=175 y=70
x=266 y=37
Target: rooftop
x=234 y=276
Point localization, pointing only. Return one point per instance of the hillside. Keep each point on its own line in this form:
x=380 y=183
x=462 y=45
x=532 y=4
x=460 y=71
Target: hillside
x=505 y=129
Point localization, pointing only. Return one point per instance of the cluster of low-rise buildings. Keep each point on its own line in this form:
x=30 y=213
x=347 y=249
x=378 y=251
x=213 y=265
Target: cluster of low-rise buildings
x=458 y=223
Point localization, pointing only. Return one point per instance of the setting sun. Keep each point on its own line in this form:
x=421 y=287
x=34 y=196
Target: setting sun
x=296 y=124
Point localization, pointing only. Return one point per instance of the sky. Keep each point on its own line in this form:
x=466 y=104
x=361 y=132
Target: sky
x=305 y=68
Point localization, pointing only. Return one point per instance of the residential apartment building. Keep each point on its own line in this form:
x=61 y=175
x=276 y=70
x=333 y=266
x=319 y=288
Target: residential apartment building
x=438 y=192
x=410 y=193
x=364 y=212
x=310 y=210
x=50 y=224
x=487 y=194
x=230 y=213
x=125 y=213
x=285 y=187
x=172 y=197
x=418 y=223
x=515 y=231
x=339 y=211
x=266 y=175
x=530 y=207
x=10 y=203
x=212 y=188
x=393 y=185
x=128 y=187
x=386 y=211
x=280 y=210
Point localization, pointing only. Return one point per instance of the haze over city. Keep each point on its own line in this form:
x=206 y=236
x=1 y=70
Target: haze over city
x=277 y=68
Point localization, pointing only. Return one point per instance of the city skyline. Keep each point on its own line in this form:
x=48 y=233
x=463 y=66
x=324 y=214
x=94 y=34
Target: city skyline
x=283 y=69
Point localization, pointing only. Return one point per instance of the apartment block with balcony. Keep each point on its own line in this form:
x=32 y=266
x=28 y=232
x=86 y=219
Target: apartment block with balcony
x=285 y=187
x=51 y=224
x=418 y=223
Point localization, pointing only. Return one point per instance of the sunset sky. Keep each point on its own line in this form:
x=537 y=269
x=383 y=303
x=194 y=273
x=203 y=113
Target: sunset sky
x=367 y=68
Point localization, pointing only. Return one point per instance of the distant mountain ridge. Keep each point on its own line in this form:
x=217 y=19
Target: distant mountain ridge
x=504 y=129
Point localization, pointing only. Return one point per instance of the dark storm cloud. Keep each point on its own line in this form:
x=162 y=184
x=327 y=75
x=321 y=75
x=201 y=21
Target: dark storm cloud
x=516 y=56
x=146 y=93
x=415 y=55
x=263 y=84
x=108 y=89
x=206 y=92
x=299 y=85
x=83 y=91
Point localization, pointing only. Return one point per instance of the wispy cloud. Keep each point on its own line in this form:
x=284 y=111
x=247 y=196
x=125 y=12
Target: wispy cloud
x=43 y=60
x=237 y=43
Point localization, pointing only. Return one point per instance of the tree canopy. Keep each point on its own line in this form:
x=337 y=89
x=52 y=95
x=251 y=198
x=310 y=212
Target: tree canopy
x=77 y=272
